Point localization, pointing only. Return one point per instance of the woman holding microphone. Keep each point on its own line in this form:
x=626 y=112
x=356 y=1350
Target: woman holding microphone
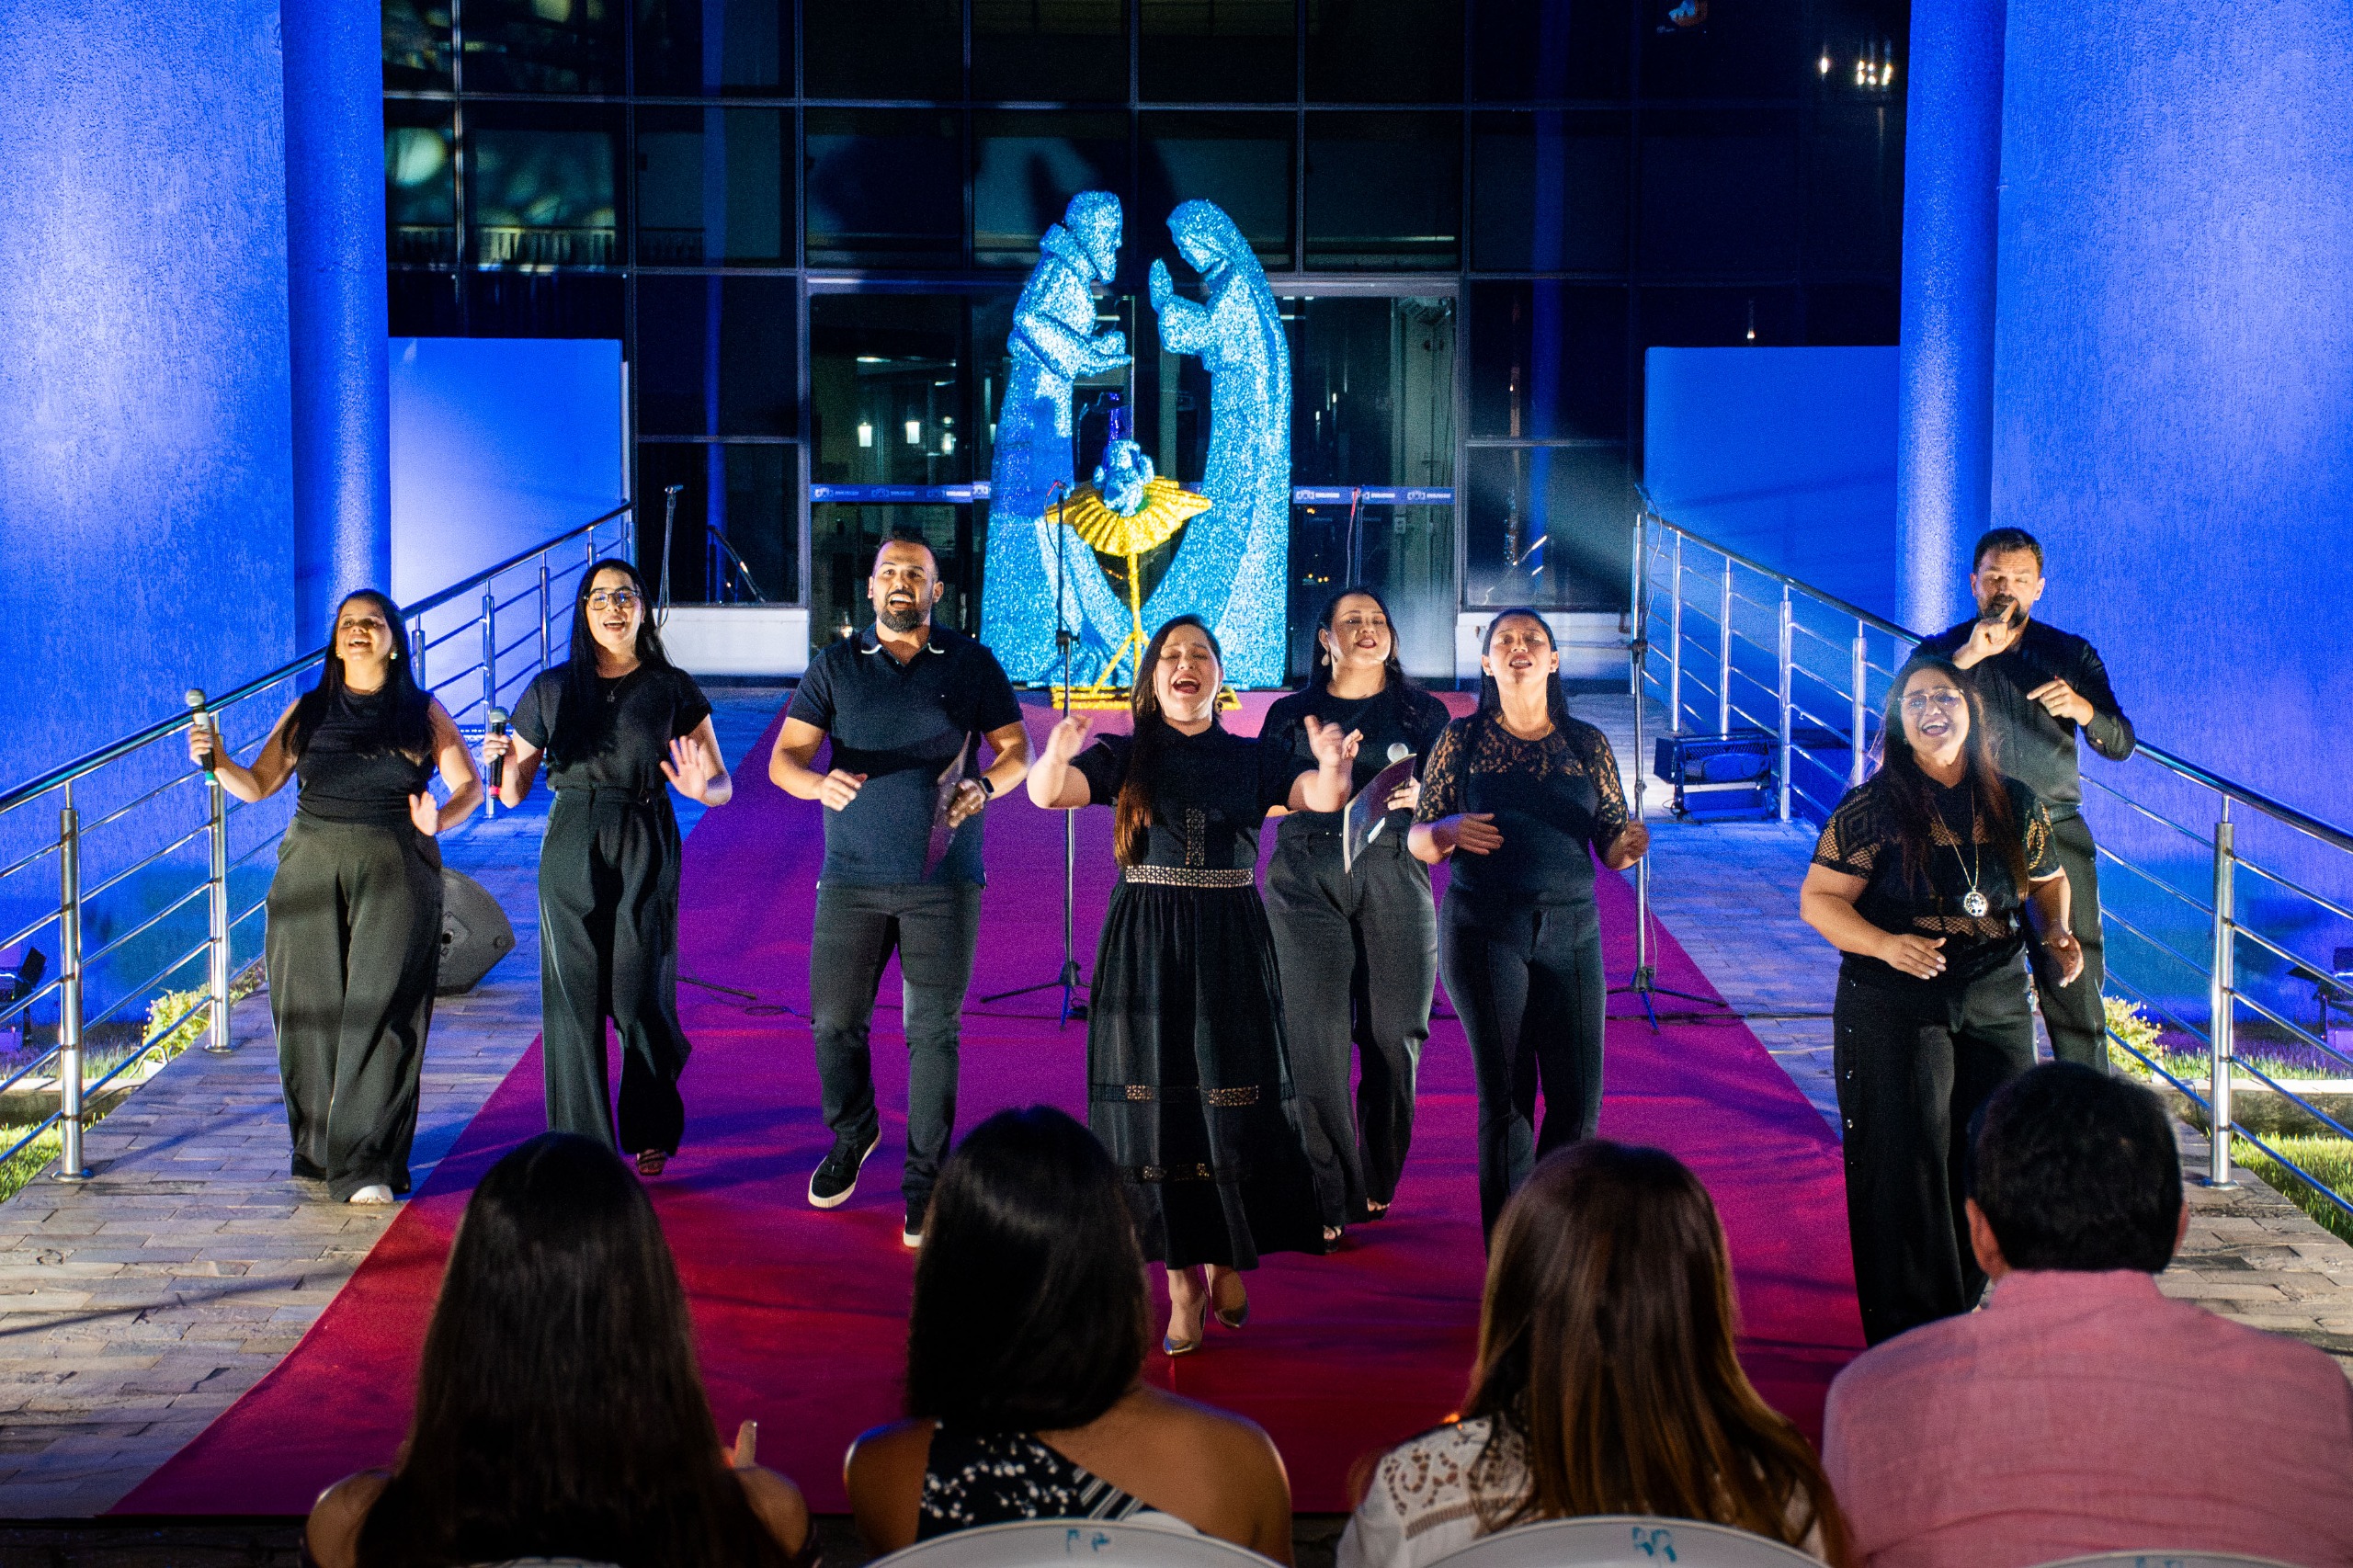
x=615 y=721
x=354 y=935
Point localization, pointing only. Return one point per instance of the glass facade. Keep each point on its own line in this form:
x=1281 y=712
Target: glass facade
x=806 y=221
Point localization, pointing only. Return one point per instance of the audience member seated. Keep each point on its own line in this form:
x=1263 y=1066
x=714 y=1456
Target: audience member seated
x=2079 y=1411
x=1025 y=1363
x=1605 y=1381
x=559 y=1410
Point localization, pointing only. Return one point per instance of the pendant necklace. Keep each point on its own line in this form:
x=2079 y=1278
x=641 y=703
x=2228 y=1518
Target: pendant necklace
x=1973 y=903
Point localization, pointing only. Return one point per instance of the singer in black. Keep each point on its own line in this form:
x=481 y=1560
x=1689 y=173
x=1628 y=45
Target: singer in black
x=2040 y=688
x=1522 y=797
x=1919 y=877
x=615 y=721
x=355 y=910
x=1359 y=945
x=1188 y=1083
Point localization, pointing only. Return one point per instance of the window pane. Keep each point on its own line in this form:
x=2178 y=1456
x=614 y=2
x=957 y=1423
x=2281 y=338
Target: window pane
x=539 y=186
x=1027 y=166
x=1515 y=160
x=886 y=187
x=1851 y=314
x=541 y=304
x=1372 y=390
x=1379 y=52
x=883 y=48
x=1854 y=197
x=1064 y=50
x=1548 y=361
x=717 y=356
x=1545 y=49
x=886 y=390
x=751 y=56
x=1733 y=51
x=1548 y=526
x=543 y=46
x=420 y=183
x=1241 y=161
x=1228 y=51
x=1719 y=192
x=1712 y=318
x=1383 y=190
x=1405 y=553
x=424 y=305
x=842 y=542
x=713 y=186
x=736 y=539
x=416 y=46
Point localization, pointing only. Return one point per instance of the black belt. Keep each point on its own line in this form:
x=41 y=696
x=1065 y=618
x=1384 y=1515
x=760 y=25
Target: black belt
x=612 y=794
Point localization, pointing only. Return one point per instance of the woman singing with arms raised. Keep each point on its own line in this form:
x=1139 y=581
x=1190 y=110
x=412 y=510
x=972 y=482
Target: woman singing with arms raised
x=1190 y=1083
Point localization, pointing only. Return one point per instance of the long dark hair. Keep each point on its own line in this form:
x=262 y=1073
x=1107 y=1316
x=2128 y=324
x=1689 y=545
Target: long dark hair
x=405 y=717
x=1029 y=1308
x=1605 y=1349
x=559 y=1409
x=1911 y=792
x=1131 y=828
x=1491 y=696
x=582 y=722
x=1319 y=673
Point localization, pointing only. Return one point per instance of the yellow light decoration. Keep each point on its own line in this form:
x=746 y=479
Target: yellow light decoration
x=1167 y=506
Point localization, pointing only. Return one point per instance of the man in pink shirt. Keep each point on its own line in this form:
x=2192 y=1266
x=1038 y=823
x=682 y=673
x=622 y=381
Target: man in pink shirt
x=2079 y=1410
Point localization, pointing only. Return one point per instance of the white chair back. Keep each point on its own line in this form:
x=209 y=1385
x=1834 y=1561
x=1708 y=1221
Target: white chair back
x=1055 y=1543
x=1622 y=1541
x=2166 y=1560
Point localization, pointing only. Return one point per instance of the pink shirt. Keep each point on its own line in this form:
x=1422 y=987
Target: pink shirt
x=2084 y=1413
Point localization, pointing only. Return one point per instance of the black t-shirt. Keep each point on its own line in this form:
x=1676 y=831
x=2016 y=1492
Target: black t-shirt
x=1555 y=800
x=1390 y=717
x=1212 y=792
x=628 y=740
x=902 y=725
x=345 y=779
x=2036 y=745
x=1860 y=839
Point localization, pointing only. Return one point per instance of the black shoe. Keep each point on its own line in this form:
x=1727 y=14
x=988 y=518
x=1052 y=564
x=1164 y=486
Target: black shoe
x=837 y=1175
x=912 y=1235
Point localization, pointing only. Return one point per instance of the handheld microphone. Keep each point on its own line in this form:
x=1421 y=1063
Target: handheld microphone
x=201 y=720
x=1997 y=611
x=1399 y=751
x=497 y=764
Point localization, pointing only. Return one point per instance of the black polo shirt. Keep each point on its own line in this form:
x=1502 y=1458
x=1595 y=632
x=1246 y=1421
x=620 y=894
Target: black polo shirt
x=901 y=725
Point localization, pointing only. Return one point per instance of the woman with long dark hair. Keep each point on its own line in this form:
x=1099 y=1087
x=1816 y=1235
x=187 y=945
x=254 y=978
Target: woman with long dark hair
x=559 y=1409
x=353 y=938
x=614 y=722
x=1519 y=939
x=1190 y=1083
x=1607 y=1380
x=1920 y=877
x=1357 y=943
x=1025 y=1397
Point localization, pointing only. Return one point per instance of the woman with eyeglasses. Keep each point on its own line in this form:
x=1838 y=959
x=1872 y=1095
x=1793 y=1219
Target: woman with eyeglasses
x=354 y=935
x=1921 y=878
x=613 y=723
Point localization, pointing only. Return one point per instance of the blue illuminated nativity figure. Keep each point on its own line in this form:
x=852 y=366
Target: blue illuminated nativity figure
x=1053 y=342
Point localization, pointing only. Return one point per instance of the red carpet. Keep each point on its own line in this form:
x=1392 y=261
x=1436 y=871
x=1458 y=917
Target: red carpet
x=801 y=1314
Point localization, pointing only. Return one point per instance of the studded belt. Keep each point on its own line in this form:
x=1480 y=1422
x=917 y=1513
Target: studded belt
x=1190 y=875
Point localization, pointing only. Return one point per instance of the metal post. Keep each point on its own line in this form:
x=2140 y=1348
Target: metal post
x=416 y=654
x=1674 y=643
x=1724 y=655
x=216 y=804
x=489 y=673
x=1638 y=589
x=543 y=609
x=1781 y=657
x=2222 y=1007
x=1859 y=673
x=70 y=1166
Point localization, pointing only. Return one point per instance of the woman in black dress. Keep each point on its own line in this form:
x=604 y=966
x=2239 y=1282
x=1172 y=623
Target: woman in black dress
x=1190 y=1086
x=1519 y=938
x=355 y=910
x=1920 y=877
x=1359 y=945
x=615 y=721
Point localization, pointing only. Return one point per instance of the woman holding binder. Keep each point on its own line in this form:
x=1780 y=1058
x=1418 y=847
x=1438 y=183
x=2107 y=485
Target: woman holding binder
x=1356 y=938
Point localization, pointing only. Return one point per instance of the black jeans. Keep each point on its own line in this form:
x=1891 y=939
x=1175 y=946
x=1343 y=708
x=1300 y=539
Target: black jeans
x=933 y=927
x=1914 y=1068
x=1526 y=983
x=1358 y=954
x=2075 y=1014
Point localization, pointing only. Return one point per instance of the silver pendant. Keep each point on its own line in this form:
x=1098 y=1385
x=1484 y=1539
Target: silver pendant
x=1974 y=904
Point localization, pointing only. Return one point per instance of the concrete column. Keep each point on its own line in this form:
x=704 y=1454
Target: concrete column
x=335 y=298
x=1953 y=163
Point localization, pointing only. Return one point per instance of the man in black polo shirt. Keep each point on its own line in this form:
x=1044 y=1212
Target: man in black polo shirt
x=2040 y=686
x=900 y=701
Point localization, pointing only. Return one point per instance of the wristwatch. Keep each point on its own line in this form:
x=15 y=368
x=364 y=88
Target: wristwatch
x=987 y=784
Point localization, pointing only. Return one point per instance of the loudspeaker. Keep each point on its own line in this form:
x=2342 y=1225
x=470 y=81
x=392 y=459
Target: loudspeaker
x=475 y=933
x=1718 y=776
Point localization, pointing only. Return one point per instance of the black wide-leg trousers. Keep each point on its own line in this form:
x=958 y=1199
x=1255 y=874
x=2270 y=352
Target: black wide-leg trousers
x=933 y=927
x=1913 y=1069
x=2075 y=1014
x=1359 y=955
x=353 y=945
x=1526 y=983
x=609 y=947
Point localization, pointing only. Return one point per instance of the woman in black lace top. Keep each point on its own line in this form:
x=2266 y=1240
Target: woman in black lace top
x=1519 y=940
x=1920 y=877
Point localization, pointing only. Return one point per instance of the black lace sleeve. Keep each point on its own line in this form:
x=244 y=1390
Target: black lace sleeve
x=1442 y=779
x=1610 y=814
x=1853 y=839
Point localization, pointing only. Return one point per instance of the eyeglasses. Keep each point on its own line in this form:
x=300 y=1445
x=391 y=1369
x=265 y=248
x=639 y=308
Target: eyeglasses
x=1947 y=701
x=615 y=598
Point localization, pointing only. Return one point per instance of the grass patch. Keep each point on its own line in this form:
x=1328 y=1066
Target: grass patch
x=29 y=1162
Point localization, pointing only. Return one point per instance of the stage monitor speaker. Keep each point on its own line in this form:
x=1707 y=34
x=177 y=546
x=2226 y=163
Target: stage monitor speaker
x=1718 y=776
x=475 y=933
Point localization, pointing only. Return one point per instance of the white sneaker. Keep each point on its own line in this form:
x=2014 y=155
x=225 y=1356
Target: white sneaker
x=375 y=1192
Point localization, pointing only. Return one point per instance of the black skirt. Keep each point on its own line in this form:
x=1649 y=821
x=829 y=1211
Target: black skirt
x=1190 y=1083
